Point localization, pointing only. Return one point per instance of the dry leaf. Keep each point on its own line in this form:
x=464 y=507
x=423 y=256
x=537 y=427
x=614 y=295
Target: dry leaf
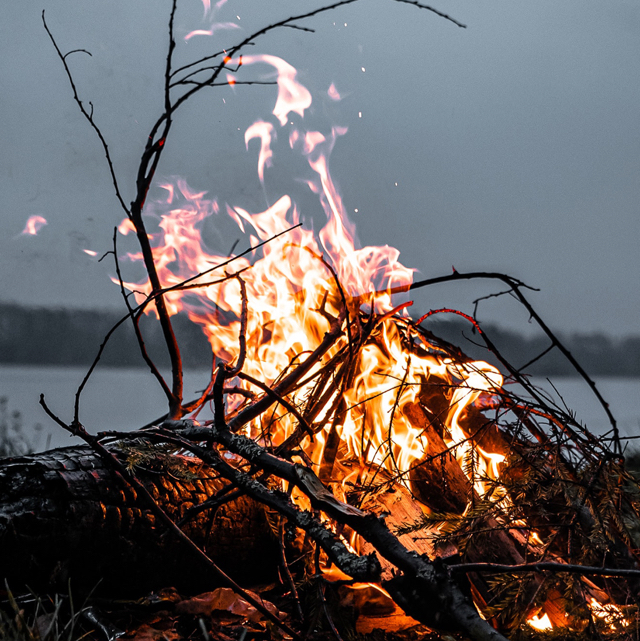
x=227 y=600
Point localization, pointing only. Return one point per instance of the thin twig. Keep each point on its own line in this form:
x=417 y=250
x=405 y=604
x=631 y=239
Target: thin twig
x=287 y=573
x=88 y=115
x=242 y=334
x=438 y=13
x=546 y=566
x=290 y=407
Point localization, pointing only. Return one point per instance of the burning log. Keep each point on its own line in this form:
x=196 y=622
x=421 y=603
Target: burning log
x=65 y=515
x=437 y=480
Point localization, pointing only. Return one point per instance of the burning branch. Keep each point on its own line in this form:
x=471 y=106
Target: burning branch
x=516 y=287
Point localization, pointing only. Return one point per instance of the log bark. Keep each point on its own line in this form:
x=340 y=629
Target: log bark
x=65 y=516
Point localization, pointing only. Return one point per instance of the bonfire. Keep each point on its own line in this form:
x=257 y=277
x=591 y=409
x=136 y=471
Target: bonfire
x=398 y=479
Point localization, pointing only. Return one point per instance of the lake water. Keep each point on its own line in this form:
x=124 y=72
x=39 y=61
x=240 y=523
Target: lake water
x=120 y=399
x=125 y=399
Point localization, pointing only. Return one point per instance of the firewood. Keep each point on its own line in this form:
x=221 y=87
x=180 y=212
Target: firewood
x=437 y=480
x=64 y=515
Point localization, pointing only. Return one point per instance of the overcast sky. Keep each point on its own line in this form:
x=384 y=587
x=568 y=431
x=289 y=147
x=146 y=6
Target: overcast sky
x=514 y=143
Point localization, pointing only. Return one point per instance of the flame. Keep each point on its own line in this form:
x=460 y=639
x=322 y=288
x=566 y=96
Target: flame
x=540 y=623
x=535 y=538
x=294 y=285
x=33 y=226
x=292 y=96
x=610 y=614
x=296 y=282
x=333 y=93
x=215 y=26
x=126 y=227
x=265 y=131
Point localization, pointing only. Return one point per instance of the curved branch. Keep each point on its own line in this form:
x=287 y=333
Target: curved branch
x=438 y=13
x=516 y=285
x=86 y=114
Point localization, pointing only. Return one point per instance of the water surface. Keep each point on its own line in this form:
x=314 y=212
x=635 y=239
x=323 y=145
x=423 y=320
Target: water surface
x=125 y=399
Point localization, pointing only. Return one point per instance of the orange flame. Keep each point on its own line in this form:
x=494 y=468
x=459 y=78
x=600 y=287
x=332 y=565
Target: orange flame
x=540 y=623
x=294 y=286
x=610 y=614
x=126 y=227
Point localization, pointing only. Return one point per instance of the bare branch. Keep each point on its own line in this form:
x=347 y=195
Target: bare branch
x=544 y=566
x=88 y=115
x=438 y=13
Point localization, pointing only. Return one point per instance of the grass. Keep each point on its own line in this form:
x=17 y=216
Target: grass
x=33 y=618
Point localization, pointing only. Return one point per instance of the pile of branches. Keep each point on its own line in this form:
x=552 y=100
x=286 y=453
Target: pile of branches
x=555 y=532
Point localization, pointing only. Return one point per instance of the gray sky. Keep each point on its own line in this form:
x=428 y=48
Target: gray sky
x=514 y=143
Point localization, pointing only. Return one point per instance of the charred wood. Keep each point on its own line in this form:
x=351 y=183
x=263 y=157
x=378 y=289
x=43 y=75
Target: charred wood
x=64 y=515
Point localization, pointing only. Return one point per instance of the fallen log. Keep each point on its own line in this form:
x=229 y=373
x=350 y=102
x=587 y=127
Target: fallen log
x=65 y=516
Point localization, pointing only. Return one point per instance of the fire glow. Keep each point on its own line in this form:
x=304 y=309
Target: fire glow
x=293 y=289
x=293 y=293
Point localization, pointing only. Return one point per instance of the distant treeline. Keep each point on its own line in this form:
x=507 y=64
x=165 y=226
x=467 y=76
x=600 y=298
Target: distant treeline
x=598 y=354
x=43 y=336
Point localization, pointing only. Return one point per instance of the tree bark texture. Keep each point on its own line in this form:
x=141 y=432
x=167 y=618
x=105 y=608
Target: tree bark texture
x=65 y=516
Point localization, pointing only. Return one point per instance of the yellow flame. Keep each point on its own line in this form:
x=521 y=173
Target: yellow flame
x=535 y=537
x=609 y=613
x=540 y=622
x=294 y=287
